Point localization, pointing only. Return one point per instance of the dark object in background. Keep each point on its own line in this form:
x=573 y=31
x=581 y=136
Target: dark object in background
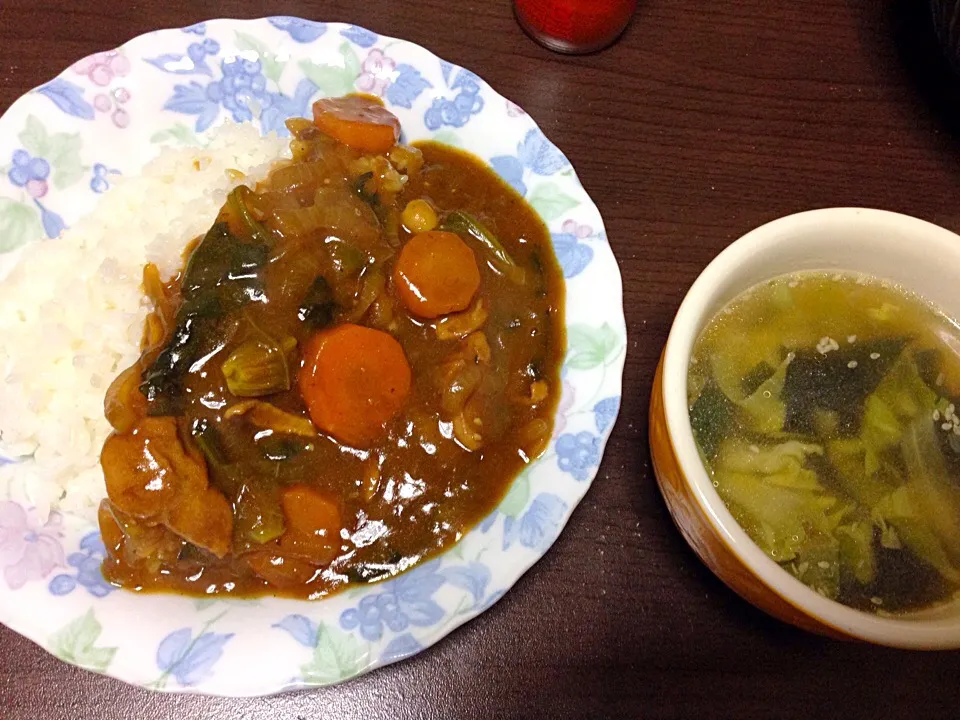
x=946 y=21
x=921 y=33
x=574 y=26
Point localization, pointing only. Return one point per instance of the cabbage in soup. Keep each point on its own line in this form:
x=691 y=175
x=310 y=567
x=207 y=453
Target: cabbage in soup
x=825 y=409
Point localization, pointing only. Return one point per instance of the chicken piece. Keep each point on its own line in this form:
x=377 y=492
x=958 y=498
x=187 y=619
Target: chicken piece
x=151 y=476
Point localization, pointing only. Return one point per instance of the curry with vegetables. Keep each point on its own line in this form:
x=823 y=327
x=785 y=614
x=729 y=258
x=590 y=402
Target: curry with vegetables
x=353 y=364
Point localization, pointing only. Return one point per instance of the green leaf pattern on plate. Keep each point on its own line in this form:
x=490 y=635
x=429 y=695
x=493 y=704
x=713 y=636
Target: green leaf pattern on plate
x=77 y=643
x=61 y=150
x=336 y=656
x=34 y=137
x=448 y=137
x=178 y=133
x=272 y=65
x=550 y=201
x=19 y=223
x=517 y=496
x=588 y=347
x=331 y=79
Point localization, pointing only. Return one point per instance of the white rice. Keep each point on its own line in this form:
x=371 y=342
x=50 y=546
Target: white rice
x=72 y=312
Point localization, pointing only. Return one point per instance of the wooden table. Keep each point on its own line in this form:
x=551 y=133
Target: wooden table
x=706 y=120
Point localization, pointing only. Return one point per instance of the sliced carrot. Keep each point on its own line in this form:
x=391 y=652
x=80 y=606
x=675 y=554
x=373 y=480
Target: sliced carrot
x=358 y=122
x=312 y=539
x=436 y=273
x=313 y=525
x=353 y=380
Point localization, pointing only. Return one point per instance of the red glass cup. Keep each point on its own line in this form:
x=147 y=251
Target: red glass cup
x=574 y=26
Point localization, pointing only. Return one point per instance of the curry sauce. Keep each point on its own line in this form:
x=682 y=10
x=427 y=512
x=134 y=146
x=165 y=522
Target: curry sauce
x=352 y=366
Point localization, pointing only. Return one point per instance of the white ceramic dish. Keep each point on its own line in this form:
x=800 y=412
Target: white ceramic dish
x=915 y=254
x=114 y=111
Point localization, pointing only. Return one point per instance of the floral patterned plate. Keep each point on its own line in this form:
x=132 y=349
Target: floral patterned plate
x=61 y=144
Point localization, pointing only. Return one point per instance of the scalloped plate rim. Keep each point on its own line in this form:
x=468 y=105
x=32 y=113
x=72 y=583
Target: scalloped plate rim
x=39 y=634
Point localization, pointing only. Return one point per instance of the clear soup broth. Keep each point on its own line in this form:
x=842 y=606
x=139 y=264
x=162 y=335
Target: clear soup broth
x=825 y=409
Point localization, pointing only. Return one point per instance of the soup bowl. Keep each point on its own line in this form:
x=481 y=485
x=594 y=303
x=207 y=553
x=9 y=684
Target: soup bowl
x=916 y=255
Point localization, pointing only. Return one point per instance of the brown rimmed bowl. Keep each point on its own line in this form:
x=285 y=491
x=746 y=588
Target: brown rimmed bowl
x=910 y=252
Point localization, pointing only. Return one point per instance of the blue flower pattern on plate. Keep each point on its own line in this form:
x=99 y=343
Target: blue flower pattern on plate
x=572 y=252
x=540 y=155
x=490 y=600
x=573 y=255
x=538 y=526
x=52 y=223
x=301 y=628
x=302 y=31
x=472 y=577
x=68 y=97
x=284 y=106
x=26 y=170
x=488 y=521
x=99 y=182
x=195 y=61
x=400 y=647
x=359 y=36
x=31 y=174
x=407 y=600
x=242 y=83
x=578 y=453
x=406 y=86
x=189 y=660
x=87 y=563
x=605 y=412
x=510 y=169
x=534 y=153
x=455 y=111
